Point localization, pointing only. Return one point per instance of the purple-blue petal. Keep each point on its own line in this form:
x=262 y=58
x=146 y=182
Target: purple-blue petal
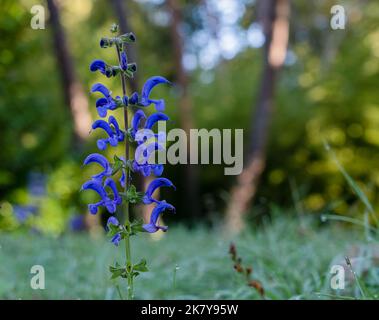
x=158 y=169
x=138 y=116
x=97 y=65
x=155 y=184
x=116 y=239
x=157 y=211
x=93 y=207
x=124 y=61
x=111 y=184
x=154 y=118
x=98 y=87
x=159 y=104
x=133 y=99
x=112 y=220
x=122 y=179
x=95 y=186
x=103 y=125
x=149 y=85
x=102 y=144
x=101 y=160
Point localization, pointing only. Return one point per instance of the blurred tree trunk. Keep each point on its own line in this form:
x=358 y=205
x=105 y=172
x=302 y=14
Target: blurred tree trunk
x=274 y=17
x=72 y=88
x=185 y=106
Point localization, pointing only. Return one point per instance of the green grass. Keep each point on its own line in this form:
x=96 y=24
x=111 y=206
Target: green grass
x=291 y=259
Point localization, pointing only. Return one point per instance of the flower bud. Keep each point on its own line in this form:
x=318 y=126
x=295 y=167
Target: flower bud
x=106 y=42
x=132 y=67
x=119 y=102
x=115 y=70
x=125 y=101
x=108 y=72
x=114 y=28
x=128 y=37
x=133 y=98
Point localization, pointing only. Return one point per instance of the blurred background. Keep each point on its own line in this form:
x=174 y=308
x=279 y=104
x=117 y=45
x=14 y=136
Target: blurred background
x=273 y=68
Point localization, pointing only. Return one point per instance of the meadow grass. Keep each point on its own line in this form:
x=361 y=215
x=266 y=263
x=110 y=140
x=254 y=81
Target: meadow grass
x=291 y=259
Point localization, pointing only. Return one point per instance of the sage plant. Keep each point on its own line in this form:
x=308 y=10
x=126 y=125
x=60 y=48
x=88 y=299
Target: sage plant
x=139 y=133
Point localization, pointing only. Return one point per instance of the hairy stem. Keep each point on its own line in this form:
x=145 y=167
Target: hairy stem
x=127 y=182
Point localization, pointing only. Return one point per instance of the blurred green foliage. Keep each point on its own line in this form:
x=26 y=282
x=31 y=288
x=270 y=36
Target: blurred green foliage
x=326 y=91
x=75 y=264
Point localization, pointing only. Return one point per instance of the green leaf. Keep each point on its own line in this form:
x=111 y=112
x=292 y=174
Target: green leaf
x=354 y=186
x=136 y=226
x=113 y=230
x=117 y=274
x=128 y=73
x=133 y=196
x=118 y=164
x=366 y=294
x=117 y=271
x=141 y=266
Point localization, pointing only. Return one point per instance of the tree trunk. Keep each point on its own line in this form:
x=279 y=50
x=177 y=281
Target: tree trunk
x=72 y=88
x=185 y=106
x=274 y=16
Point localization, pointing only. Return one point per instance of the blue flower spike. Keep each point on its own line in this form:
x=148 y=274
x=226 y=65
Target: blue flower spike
x=146 y=141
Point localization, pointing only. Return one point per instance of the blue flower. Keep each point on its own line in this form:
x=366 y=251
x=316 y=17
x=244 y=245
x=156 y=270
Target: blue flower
x=115 y=134
x=100 y=65
x=155 y=184
x=106 y=201
x=138 y=116
x=101 y=160
x=141 y=162
x=125 y=100
x=154 y=118
x=98 y=87
x=116 y=239
x=106 y=103
x=123 y=179
x=112 y=185
x=144 y=100
x=112 y=220
x=133 y=99
x=152 y=226
x=147 y=169
x=124 y=61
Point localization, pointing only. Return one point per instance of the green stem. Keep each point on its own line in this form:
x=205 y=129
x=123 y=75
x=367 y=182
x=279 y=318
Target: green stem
x=127 y=181
x=128 y=254
x=119 y=292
